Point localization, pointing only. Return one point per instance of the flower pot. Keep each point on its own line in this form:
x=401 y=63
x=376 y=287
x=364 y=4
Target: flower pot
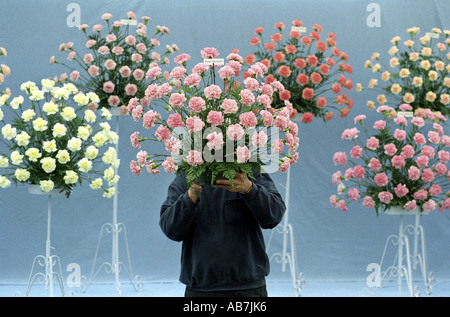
x=36 y=190
x=399 y=211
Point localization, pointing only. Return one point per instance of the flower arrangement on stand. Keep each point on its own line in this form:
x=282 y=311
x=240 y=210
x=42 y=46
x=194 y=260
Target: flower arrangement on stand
x=404 y=163
x=116 y=60
x=417 y=73
x=55 y=141
x=313 y=70
x=216 y=125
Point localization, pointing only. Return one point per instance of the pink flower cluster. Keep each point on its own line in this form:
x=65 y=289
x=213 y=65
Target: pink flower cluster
x=404 y=164
x=216 y=113
x=120 y=58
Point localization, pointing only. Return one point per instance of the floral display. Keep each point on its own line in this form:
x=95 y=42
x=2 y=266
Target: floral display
x=4 y=69
x=416 y=74
x=115 y=63
x=54 y=141
x=403 y=163
x=312 y=69
x=217 y=126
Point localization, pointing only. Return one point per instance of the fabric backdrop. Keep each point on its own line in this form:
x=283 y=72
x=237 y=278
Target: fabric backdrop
x=330 y=244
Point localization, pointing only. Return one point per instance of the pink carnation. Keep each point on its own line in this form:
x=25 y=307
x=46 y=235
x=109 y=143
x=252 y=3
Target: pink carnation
x=267 y=118
x=169 y=165
x=235 y=132
x=374 y=164
x=182 y=58
x=429 y=205
x=259 y=139
x=440 y=168
x=427 y=175
x=373 y=143
x=141 y=157
x=125 y=71
x=418 y=121
x=209 y=52
x=422 y=161
x=194 y=158
x=356 y=152
x=177 y=72
x=251 y=84
x=215 y=141
x=162 y=133
x=433 y=137
x=349 y=134
x=398 y=161
x=149 y=119
x=353 y=194
x=248 y=120
x=407 y=151
x=192 y=80
x=340 y=158
x=243 y=154
x=435 y=190
x=213 y=92
x=428 y=151
x=177 y=100
x=368 y=202
x=194 y=124
x=381 y=179
x=379 y=125
x=108 y=87
x=173 y=145
x=175 y=120
x=385 y=197
x=413 y=173
x=285 y=164
x=400 y=134
x=358 y=172
x=197 y=104
x=135 y=168
x=229 y=106
x=134 y=138
x=278 y=146
x=226 y=72
x=247 y=97
x=444 y=156
x=419 y=138
x=421 y=194
x=137 y=113
x=130 y=89
x=410 y=205
x=401 y=190
x=390 y=149
x=215 y=118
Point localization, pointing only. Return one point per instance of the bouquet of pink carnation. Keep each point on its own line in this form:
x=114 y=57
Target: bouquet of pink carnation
x=216 y=125
x=116 y=62
x=403 y=164
x=417 y=73
x=312 y=69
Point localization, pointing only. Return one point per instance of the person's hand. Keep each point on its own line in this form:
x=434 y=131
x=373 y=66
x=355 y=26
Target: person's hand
x=241 y=184
x=194 y=191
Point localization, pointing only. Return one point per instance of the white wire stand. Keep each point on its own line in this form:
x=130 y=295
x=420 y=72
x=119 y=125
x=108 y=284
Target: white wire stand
x=46 y=268
x=406 y=261
x=288 y=254
x=115 y=228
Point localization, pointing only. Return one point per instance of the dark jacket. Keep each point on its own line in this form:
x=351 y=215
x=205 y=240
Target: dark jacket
x=223 y=245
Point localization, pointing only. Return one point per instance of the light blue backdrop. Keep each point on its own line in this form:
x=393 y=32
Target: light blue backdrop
x=331 y=245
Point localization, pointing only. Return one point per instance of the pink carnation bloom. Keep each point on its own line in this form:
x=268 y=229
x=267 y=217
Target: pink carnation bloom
x=440 y=168
x=336 y=178
x=247 y=97
x=248 y=120
x=200 y=68
x=398 y=161
x=379 y=125
x=173 y=145
x=435 y=190
x=110 y=64
x=428 y=151
x=267 y=118
x=138 y=74
x=278 y=146
x=400 y=134
x=358 y=172
x=134 y=138
x=212 y=92
x=427 y=175
x=281 y=122
x=422 y=161
x=194 y=124
x=349 y=134
x=374 y=164
x=137 y=113
x=235 y=132
x=192 y=80
x=215 y=141
x=169 y=165
x=130 y=89
x=368 y=202
x=333 y=200
x=242 y=154
x=401 y=190
x=229 y=106
x=175 y=120
x=135 y=168
x=340 y=158
x=108 y=87
x=141 y=157
x=113 y=101
x=433 y=137
x=226 y=72
x=182 y=58
x=385 y=197
x=410 y=205
x=353 y=194
x=125 y=71
x=150 y=118
x=348 y=174
x=153 y=72
x=285 y=164
x=381 y=179
x=177 y=73
x=407 y=151
x=413 y=173
x=356 y=152
x=251 y=84
x=215 y=118
x=209 y=52
x=419 y=138
x=152 y=168
x=162 y=133
x=342 y=205
x=390 y=149
x=259 y=139
x=421 y=194
x=177 y=100
x=429 y=205
x=197 y=104
x=373 y=143
x=418 y=122
x=444 y=156
x=194 y=158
